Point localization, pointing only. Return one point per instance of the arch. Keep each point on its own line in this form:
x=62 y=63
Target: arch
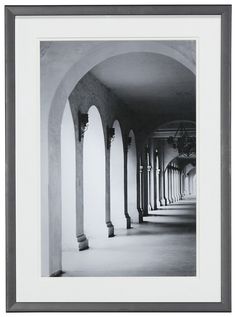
x=167 y=123
x=192 y=170
x=172 y=160
x=117 y=179
x=132 y=179
x=188 y=168
x=94 y=177
x=155 y=128
x=56 y=100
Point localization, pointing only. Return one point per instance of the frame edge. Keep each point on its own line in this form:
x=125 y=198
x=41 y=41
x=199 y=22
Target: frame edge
x=11 y=304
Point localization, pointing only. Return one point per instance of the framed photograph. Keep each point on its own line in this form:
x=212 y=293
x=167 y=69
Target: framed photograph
x=118 y=158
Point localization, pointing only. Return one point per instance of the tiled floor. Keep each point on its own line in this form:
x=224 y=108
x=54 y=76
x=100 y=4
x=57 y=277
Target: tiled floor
x=163 y=245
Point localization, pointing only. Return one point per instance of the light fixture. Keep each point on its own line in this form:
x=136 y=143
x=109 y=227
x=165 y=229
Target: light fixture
x=83 y=124
x=110 y=136
x=129 y=141
x=185 y=144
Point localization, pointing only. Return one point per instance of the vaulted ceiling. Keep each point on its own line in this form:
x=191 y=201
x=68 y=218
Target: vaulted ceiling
x=149 y=83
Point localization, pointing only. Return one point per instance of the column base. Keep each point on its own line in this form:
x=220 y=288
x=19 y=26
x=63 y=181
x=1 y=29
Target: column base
x=140 y=219
x=158 y=204
x=128 y=222
x=110 y=229
x=162 y=202
x=140 y=215
x=83 y=242
x=57 y=273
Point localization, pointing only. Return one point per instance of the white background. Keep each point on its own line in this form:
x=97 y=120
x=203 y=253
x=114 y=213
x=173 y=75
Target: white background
x=2 y=221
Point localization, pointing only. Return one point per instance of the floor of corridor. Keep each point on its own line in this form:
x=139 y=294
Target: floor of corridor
x=163 y=245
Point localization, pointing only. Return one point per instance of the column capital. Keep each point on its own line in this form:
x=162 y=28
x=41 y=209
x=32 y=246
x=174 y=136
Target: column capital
x=149 y=168
x=82 y=124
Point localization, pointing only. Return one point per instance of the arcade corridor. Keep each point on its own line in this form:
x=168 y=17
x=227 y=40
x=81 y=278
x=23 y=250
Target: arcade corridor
x=119 y=174
x=163 y=245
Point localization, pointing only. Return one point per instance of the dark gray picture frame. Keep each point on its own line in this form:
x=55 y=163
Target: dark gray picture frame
x=225 y=12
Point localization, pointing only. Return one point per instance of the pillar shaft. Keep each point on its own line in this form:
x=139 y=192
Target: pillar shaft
x=109 y=224
x=149 y=182
x=161 y=175
x=166 y=184
x=156 y=183
x=128 y=219
x=145 y=178
x=170 y=185
x=139 y=188
x=80 y=234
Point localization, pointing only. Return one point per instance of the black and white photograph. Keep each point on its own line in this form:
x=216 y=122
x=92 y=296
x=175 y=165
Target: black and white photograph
x=118 y=158
x=124 y=200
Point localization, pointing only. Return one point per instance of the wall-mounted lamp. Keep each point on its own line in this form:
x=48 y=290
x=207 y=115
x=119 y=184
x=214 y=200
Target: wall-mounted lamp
x=83 y=124
x=110 y=136
x=129 y=141
x=128 y=144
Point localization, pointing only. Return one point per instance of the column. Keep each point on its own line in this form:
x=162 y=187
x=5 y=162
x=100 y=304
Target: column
x=128 y=219
x=166 y=188
x=157 y=187
x=155 y=176
x=139 y=189
x=161 y=176
x=172 y=184
x=109 y=224
x=169 y=185
x=149 y=180
x=145 y=179
x=152 y=176
x=190 y=184
x=178 y=184
x=181 y=185
x=187 y=184
x=80 y=235
x=175 y=189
